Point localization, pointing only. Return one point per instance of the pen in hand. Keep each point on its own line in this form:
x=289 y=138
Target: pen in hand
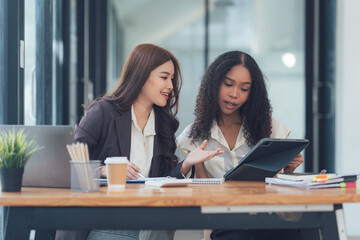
x=141 y=176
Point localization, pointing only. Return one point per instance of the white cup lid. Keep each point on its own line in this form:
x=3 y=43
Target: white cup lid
x=116 y=160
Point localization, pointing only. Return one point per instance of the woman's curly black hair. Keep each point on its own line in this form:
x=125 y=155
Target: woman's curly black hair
x=256 y=111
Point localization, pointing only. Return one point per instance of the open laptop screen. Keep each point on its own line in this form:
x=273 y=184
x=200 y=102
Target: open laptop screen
x=48 y=167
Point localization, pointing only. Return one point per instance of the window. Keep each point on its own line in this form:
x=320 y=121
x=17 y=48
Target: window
x=182 y=34
x=43 y=62
x=276 y=41
x=274 y=38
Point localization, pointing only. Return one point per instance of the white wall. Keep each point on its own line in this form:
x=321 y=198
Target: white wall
x=348 y=87
x=348 y=99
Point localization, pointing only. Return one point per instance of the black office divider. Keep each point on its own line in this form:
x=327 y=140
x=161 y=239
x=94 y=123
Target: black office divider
x=320 y=84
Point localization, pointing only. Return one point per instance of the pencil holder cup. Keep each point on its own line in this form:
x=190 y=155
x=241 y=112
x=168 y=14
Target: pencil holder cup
x=84 y=175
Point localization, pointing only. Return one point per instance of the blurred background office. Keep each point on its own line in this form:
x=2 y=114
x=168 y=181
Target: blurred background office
x=56 y=55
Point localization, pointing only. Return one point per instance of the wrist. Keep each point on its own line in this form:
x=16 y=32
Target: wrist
x=185 y=168
x=288 y=170
x=103 y=172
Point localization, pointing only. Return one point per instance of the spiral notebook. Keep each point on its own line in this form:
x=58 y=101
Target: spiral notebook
x=164 y=179
x=207 y=180
x=173 y=182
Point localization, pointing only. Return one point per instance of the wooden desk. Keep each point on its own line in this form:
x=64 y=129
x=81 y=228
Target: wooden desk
x=247 y=205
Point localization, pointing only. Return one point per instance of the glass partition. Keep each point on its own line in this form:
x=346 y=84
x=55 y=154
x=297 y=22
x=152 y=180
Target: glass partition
x=175 y=25
x=274 y=38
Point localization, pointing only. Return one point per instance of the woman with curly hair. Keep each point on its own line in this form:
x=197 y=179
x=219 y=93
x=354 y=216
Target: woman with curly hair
x=232 y=112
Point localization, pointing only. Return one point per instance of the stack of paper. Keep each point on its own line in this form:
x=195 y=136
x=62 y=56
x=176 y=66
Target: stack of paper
x=336 y=181
x=303 y=176
x=168 y=183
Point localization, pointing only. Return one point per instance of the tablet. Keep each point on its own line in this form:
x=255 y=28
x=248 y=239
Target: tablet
x=266 y=159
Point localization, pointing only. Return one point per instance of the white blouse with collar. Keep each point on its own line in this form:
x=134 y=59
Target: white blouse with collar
x=142 y=143
x=219 y=165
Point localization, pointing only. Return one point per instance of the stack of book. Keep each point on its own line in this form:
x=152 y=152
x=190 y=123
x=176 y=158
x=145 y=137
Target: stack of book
x=316 y=180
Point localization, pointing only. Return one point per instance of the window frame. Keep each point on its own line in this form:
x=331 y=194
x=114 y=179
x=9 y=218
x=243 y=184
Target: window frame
x=11 y=74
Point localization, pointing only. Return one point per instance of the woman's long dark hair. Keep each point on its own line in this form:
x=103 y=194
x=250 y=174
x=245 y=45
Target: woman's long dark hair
x=141 y=62
x=255 y=113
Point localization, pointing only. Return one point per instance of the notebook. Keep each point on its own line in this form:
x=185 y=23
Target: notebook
x=164 y=179
x=266 y=159
x=208 y=180
x=48 y=167
x=139 y=180
x=171 y=182
x=336 y=182
x=302 y=176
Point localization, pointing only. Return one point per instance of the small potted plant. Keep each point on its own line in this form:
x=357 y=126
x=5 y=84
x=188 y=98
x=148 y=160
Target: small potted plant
x=15 y=151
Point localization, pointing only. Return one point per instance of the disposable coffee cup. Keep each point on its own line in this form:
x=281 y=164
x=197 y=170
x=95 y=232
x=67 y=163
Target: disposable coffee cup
x=116 y=168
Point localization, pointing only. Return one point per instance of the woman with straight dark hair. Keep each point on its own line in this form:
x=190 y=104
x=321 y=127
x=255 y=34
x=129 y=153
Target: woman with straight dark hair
x=137 y=120
x=233 y=112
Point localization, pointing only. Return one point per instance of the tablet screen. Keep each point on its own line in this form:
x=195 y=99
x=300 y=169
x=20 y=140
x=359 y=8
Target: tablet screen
x=266 y=159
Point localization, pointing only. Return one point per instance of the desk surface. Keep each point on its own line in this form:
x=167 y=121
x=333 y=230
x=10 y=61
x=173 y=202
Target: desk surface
x=227 y=194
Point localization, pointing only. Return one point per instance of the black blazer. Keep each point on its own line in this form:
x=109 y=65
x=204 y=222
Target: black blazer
x=107 y=131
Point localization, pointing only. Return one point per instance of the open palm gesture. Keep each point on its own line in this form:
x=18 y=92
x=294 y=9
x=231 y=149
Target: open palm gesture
x=198 y=155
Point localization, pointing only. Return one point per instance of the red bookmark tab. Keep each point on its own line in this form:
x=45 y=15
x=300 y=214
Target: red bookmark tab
x=351 y=184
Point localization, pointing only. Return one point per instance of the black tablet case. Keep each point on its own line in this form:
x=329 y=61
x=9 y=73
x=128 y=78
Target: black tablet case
x=266 y=159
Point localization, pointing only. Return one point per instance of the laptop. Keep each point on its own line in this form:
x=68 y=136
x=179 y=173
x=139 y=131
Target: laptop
x=266 y=159
x=49 y=166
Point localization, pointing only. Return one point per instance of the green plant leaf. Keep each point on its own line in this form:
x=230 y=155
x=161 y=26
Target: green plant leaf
x=15 y=150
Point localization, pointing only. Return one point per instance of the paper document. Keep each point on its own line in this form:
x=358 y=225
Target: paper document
x=302 y=176
x=336 y=182
x=139 y=180
x=168 y=183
